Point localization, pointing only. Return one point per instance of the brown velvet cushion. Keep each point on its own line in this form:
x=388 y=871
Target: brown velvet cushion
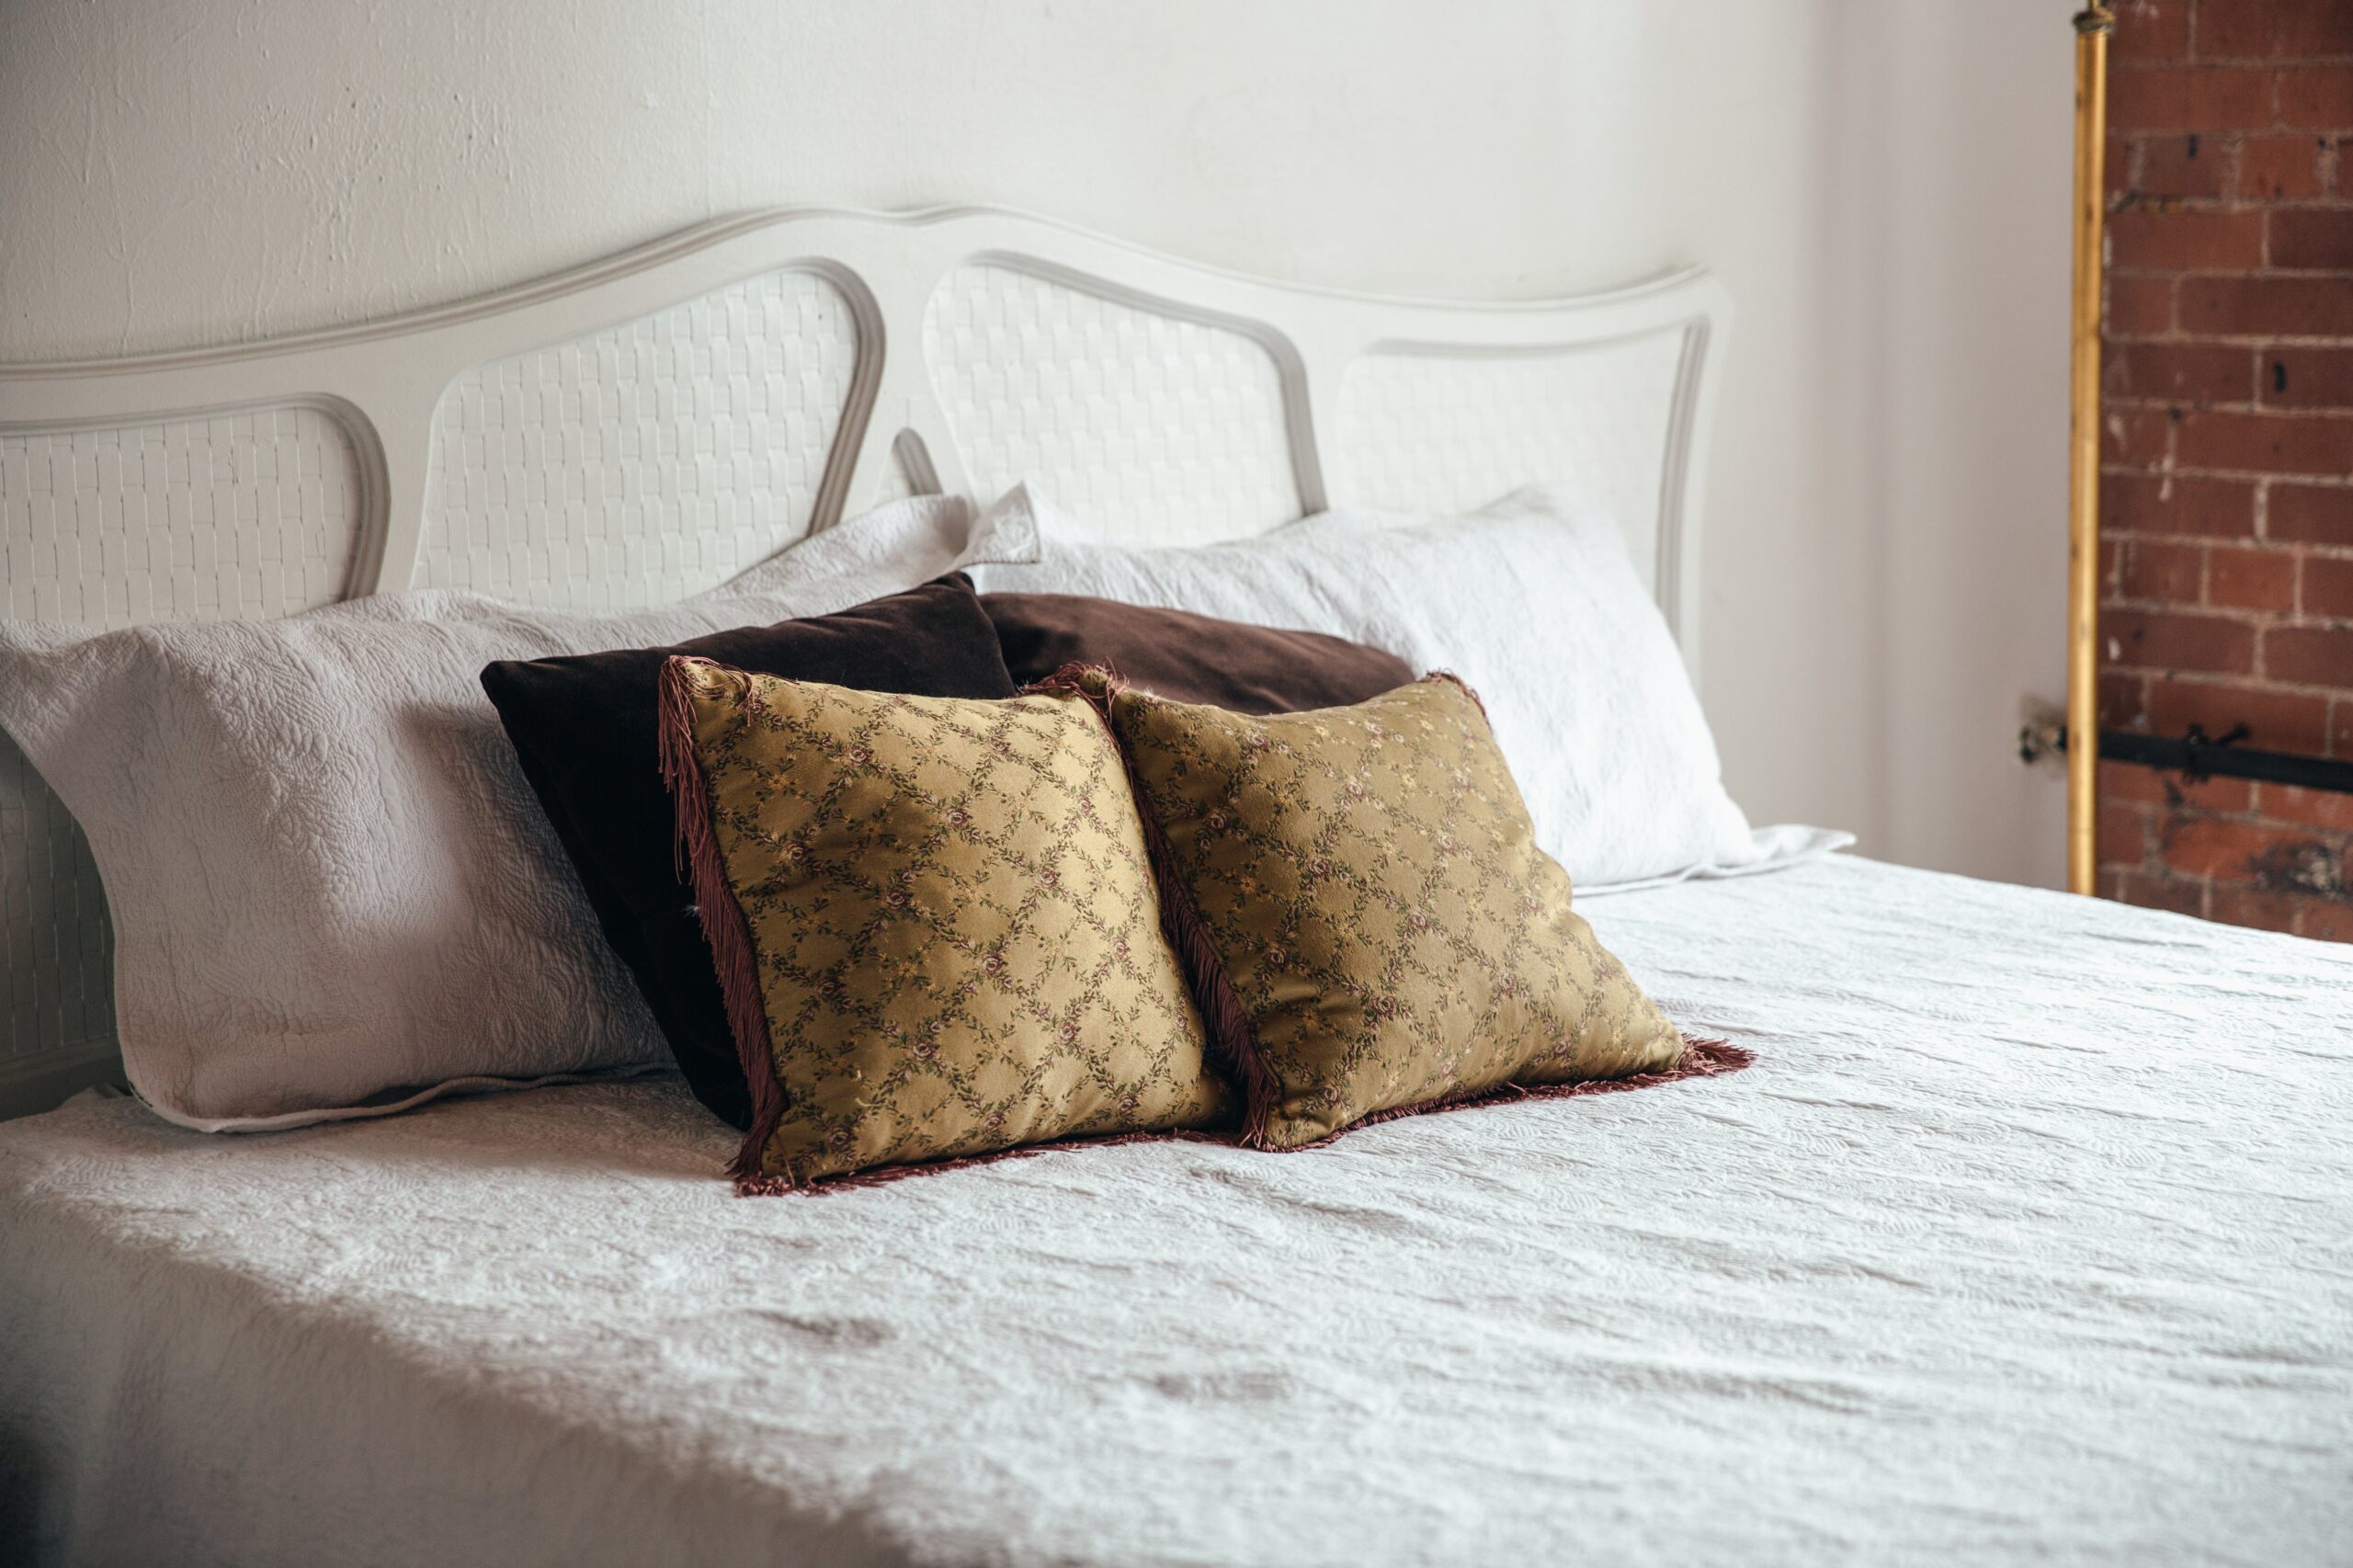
x=1189 y=658
x=583 y=727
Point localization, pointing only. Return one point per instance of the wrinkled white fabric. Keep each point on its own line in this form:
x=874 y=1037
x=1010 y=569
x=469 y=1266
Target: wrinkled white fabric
x=2027 y=1238
x=1531 y=601
x=328 y=879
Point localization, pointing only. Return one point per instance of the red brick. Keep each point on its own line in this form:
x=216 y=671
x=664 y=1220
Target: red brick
x=2328 y=588
x=2179 y=373
x=2122 y=834
x=2139 y=437
x=2323 y=809
x=2308 y=655
x=2230 y=850
x=2339 y=740
x=2139 y=307
x=2258 y=909
x=2282 y=307
x=2329 y=922
x=2275 y=721
x=2159 y=640
x=2252 y=578
x=2146 y=786
x=2123 y=700
x=2171 y=504
x=2151 y=30
x=2312 y=239
x=2188 y=167
x=2166 y=573
x=2312 y=514
x=2319 y=96
x=2266 y=443
x=2277 y=168
x=2226 y=98
x=2273 y=30
x=2147 y=891
x=2171 y=239
x=2308 y=378
x=2116 y=169
x=2204 y=846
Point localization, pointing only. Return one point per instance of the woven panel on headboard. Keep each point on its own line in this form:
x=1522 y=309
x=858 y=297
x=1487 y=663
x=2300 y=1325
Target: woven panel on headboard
x=237 y=516
x=1432 y=432
x=1156 y=428
x=645 y=463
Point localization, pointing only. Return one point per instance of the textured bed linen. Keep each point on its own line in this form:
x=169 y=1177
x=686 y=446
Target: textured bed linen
x=2029 y=1235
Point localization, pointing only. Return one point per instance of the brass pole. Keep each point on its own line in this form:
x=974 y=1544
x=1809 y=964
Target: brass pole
x=2091 y=28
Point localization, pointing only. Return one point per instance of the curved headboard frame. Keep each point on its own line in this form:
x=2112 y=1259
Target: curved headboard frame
x=382 y=381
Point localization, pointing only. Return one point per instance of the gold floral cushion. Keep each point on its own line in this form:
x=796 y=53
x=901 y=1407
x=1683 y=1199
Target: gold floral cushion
x=1377 y=929
x=934 y=920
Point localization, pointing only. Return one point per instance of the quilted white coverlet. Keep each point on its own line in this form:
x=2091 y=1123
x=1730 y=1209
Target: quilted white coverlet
x=2029 y=1236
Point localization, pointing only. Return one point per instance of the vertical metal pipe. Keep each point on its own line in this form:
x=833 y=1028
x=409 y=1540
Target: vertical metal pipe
x=2091 y=28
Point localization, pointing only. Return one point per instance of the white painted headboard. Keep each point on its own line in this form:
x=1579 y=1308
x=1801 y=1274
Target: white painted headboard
x=646 y=427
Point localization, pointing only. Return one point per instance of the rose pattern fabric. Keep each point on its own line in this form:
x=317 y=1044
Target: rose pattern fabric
x=952 y=921
x=1369 y=882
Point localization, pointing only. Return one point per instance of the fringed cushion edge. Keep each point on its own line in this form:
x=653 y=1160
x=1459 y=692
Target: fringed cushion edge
x=723 y=925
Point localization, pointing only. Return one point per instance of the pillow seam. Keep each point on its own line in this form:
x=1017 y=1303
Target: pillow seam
x=1223 y=1019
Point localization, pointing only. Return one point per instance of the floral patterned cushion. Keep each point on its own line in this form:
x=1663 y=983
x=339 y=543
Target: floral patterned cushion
x=934 y=920
x=1377 y=929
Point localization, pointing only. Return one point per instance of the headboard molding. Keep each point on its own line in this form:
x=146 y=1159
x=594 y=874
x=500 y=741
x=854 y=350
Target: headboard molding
x=644 y=428
x=1643 y=405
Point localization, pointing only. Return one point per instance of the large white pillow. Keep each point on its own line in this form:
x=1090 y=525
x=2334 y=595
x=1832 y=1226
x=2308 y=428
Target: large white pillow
x=1532 y=601
x=333 y=893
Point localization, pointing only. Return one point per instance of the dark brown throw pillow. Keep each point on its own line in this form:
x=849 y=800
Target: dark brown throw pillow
x=1189 y=658
x=585 y=728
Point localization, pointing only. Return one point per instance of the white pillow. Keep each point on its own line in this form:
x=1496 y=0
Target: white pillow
x=1533 y=602
x=333 y=893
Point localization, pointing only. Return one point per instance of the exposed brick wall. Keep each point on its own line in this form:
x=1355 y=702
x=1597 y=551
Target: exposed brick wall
x=2226 y=481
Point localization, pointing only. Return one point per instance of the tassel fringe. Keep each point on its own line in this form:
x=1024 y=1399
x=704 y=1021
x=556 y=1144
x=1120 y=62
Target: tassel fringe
x=722 y=918
x=884 y=1175
x=1700 y=1059
x=1466 y=688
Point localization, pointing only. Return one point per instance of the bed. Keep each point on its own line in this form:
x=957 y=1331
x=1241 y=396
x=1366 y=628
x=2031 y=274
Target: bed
x=2029 y=1234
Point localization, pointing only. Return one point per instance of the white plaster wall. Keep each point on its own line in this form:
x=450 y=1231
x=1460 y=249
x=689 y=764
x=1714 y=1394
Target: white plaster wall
x=1959 y=149
x=211 y=170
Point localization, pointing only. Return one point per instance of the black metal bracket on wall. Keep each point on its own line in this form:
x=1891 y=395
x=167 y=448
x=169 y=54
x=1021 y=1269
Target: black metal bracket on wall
x=2197 y=757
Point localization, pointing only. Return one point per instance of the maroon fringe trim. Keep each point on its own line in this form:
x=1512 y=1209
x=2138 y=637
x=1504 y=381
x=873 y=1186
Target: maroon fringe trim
x=1225 y=1021
x=1467 y=689
x=723 y=925
x=884 y=1175
x=1700 y=1059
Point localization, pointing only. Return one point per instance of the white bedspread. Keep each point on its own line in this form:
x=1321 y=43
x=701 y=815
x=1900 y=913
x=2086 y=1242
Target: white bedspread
x=2029 y=1236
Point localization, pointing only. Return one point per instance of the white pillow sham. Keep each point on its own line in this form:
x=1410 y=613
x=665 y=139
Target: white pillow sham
x=333 y=893
x=1532 y=601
